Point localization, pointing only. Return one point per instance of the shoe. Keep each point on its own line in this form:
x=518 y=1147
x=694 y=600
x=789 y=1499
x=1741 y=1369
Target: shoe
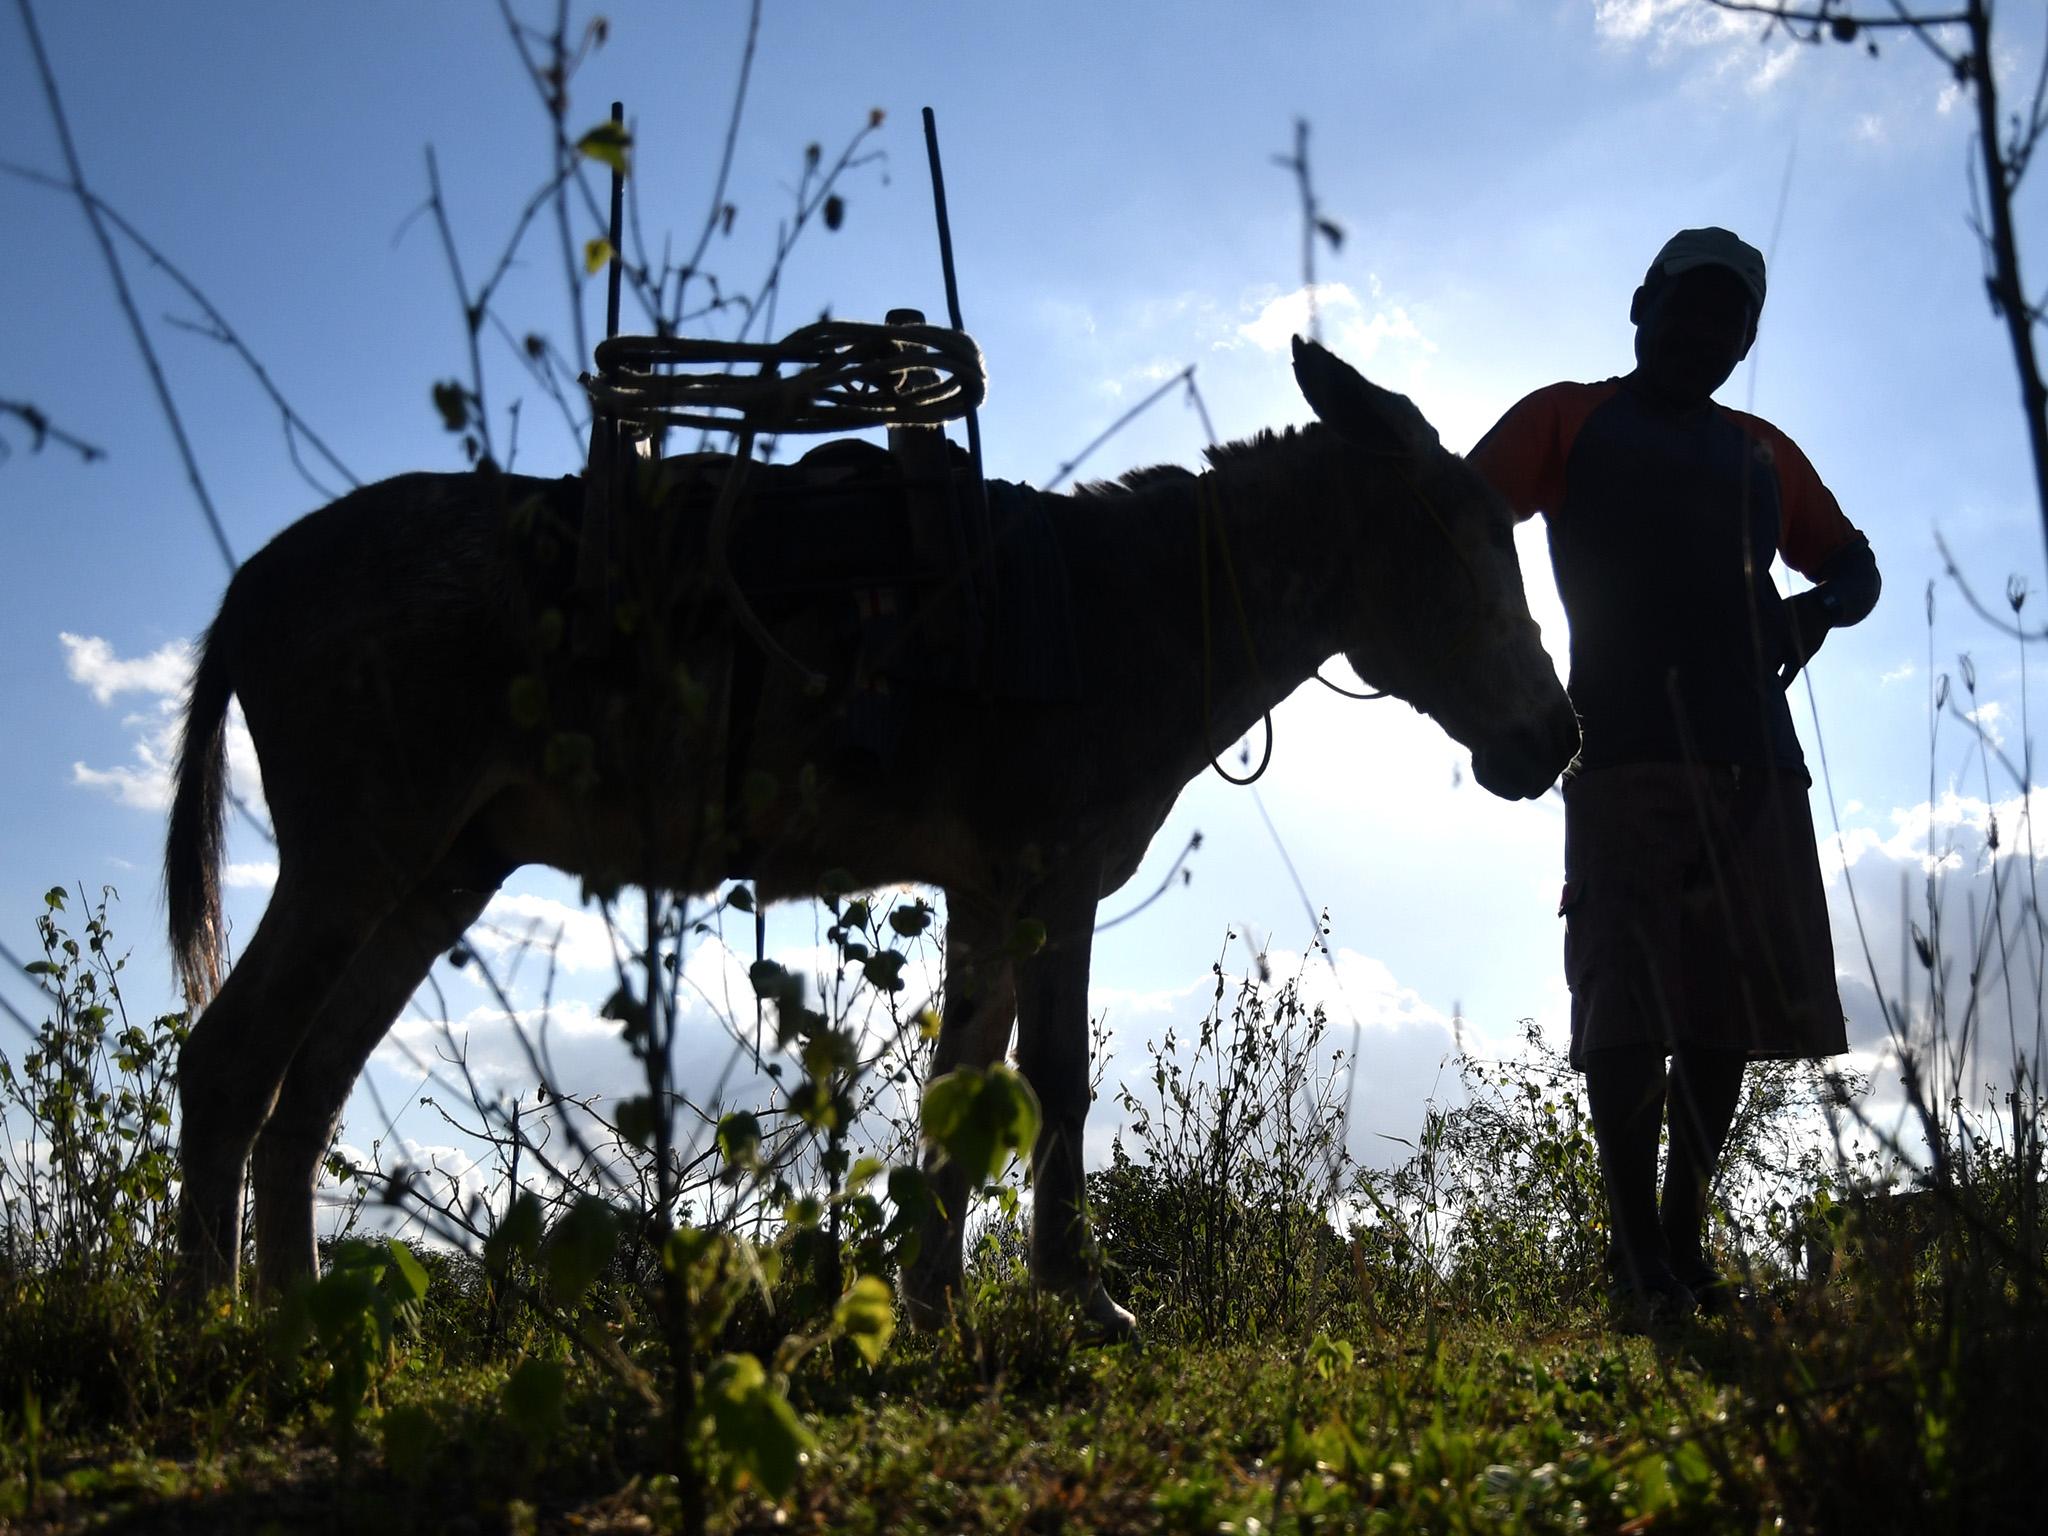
x=1652 y=1302
x=1717 y=1295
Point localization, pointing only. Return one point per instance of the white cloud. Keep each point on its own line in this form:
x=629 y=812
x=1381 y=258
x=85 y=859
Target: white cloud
x=145 y=783
x=90 y=660
x=1349 y=329
x=1988 y=717
x=1959 y=872
x=1898 y=674
x=143 y=787
x=579 y=939
x=257 y=876
x=1777 y=63
x=1673 y=29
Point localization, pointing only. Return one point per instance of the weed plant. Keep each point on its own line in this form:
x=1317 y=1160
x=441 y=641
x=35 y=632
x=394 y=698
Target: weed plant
x=1222 y=1231
x=88 y=1183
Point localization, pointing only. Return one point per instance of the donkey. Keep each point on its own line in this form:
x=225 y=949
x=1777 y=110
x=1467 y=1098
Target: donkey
x=374 y=644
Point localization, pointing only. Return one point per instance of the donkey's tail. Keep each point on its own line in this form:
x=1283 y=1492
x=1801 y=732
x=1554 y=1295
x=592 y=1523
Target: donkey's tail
x=198 y=835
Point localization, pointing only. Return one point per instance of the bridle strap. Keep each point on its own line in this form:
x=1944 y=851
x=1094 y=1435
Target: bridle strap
x=1205 y=494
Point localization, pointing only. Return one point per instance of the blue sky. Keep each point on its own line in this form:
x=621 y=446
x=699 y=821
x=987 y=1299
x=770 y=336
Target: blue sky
x=1503 y=172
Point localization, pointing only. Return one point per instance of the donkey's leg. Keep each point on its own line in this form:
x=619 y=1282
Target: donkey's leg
x=358 y=1013
x=233 y=1062
x=980 y=1005
x=1052 y=1048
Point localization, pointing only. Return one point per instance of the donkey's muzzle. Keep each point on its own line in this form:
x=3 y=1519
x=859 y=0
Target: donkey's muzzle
x=1525 y=760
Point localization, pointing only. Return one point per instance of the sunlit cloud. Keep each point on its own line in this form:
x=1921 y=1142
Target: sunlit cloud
x=1348 y=328
x=1672 y=29
x=144 y=783
x=574 y=940
x=90 y=660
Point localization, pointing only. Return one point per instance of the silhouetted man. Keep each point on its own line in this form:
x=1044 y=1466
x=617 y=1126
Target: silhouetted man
x=1696 y=927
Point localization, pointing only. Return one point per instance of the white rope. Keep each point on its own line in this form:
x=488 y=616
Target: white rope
x=849 y=375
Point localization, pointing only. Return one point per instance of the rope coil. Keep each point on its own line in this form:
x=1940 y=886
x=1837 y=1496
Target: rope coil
x=850 y=375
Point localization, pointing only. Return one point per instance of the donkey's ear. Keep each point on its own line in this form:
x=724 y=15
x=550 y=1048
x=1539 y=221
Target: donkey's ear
x=1361 y=411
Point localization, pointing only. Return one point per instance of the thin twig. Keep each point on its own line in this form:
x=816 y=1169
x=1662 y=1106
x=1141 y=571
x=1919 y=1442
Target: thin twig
x=1185 y=376
x=41 y=432
x=472 y=315
x=217 y=328
x=136 y=328
x=1955 y=574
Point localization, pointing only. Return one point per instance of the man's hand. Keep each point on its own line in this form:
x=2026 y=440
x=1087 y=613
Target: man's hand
x=1807 y=622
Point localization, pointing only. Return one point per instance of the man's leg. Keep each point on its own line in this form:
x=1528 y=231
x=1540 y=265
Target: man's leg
x=1625 y=1091
x=1706 y=1087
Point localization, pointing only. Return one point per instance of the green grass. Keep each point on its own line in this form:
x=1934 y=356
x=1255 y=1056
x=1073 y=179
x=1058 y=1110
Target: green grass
x=1437 y=1369
x=1723 y=1427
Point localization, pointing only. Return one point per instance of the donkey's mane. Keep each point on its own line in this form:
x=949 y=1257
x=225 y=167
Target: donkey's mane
x=1138 y=481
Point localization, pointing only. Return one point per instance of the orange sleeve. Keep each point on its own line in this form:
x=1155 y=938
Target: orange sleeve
x=1524 y=456
x=1811 y=525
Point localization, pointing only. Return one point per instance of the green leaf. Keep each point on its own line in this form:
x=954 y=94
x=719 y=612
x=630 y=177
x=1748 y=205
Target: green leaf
x=775 y=983
x=53 y=898
x=518 y=1233
x=740 y=898
x=533 y=1399
x=526 y=700
x=635 y=1118
x=596 y=254
x=866 y=1314
x=739 y=1140
x=813 y=1102
x=911 y=1194
x=685 y=1246
x=411 y=1437
x=831 y=1051
x=1027 y=938
x=607 y=144
x=754 y=1424
x=412 y=1278
x=884 y=971
x=912 y=920
x=629 y=1011
x=452 y=401
x=978 y=1119
x=804 y=1211
x=569 y=755
x=579 y=1248
x=1330 y=1357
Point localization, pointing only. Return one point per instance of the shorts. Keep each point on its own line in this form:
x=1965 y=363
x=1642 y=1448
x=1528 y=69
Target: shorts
x=1694 y=913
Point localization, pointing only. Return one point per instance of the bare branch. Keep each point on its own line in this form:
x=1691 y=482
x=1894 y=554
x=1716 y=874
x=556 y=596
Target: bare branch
x=472 y=315
x=135 y=326
x=216 y=329
x=1825 y=14
x=41 y=432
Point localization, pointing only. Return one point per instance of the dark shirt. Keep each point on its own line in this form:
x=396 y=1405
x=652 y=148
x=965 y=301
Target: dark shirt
x=1663 y=524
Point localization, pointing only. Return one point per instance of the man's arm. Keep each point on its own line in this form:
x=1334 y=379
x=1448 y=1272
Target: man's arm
x=1845 y=589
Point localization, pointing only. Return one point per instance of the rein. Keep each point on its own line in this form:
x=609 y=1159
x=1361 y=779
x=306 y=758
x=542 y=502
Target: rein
x=1205 y=496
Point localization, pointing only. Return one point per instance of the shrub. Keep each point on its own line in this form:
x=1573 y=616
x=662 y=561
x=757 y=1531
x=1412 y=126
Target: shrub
x=1222 y=1232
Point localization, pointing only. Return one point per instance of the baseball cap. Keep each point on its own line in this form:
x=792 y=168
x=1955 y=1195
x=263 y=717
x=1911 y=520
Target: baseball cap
x=1713 y=247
